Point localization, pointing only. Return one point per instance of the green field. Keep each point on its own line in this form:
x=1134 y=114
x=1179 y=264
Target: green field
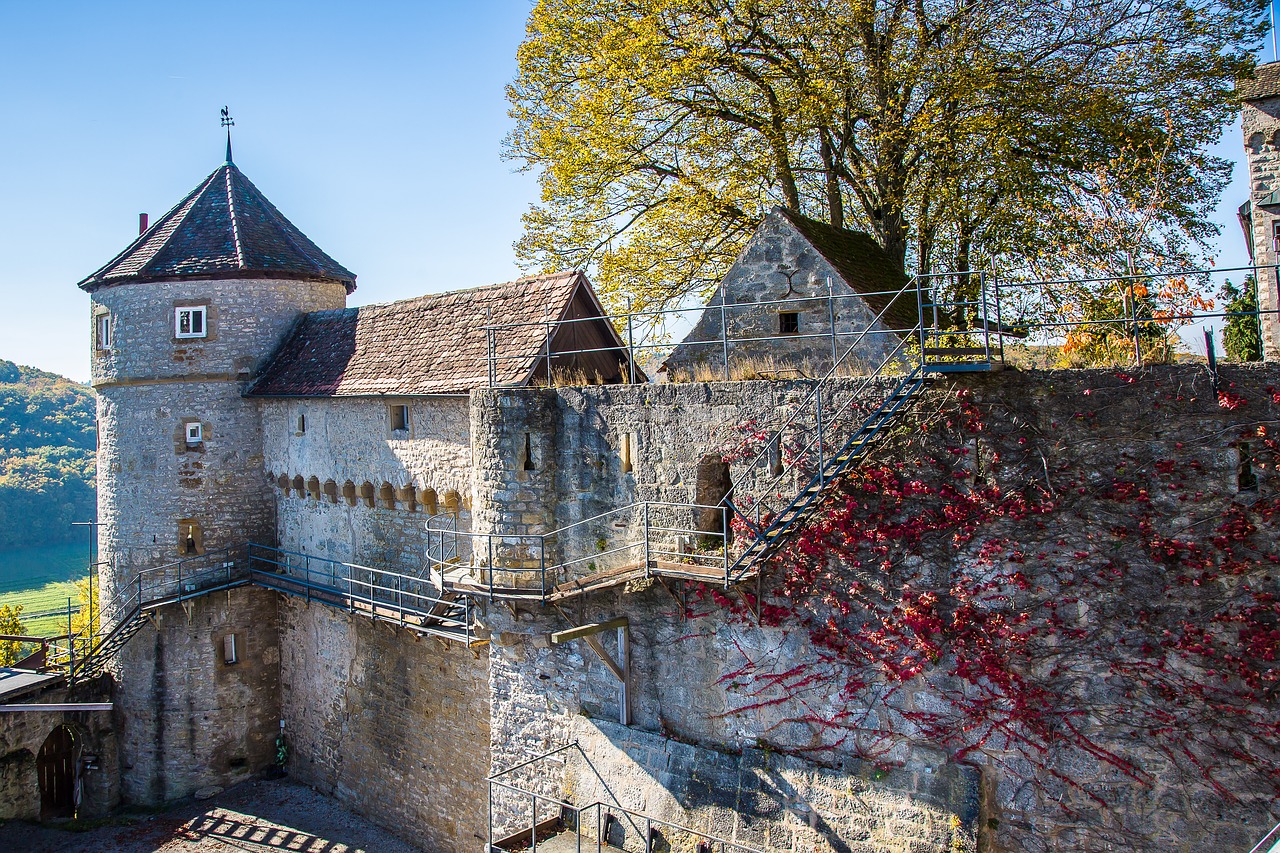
x=41 y=580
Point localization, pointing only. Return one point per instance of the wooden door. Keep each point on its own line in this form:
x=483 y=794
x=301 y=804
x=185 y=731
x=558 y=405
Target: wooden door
x=56 y=769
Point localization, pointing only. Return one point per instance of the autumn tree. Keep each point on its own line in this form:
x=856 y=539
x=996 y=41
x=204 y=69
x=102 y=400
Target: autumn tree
x=11 y=651
x=1050 y=137
x=1241 y=337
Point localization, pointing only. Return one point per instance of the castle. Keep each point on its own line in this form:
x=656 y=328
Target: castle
x=488 y=583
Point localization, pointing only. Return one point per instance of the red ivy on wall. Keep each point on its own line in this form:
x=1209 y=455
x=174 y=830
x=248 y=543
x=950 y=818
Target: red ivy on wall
x=1069 y=599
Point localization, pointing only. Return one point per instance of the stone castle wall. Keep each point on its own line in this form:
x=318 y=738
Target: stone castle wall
x=394 y=726
x=1260 y=126
x=186 y=722
x=598 y=449
x=699 y=658
x=186 y=719
x=346 y=445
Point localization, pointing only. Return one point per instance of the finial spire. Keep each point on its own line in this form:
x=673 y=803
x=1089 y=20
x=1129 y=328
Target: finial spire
x=228 y=122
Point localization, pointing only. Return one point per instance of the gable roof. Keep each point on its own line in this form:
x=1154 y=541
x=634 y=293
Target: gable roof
x=865 y=267
x=1265 y=83
x=224 y=228
x=434 y=344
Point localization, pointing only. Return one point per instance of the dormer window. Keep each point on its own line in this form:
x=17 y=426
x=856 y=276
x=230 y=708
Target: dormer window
x=190 y=321
x=102 y=332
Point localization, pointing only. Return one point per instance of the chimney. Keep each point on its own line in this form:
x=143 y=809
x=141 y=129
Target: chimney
x=142 y=223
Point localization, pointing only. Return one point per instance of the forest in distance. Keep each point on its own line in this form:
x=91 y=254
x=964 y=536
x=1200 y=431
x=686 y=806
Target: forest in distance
x=48 y=441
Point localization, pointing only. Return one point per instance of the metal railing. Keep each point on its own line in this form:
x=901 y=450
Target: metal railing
x=550 y=816
x=1050 y=312
x=407 y=600
x=1269 y=842
x=644 y=536
x=844 y=315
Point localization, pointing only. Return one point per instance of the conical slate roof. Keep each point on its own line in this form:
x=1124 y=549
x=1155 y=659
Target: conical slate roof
x=224 y=228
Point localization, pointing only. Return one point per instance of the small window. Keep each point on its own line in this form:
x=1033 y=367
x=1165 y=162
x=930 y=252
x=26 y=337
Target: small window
x=103 y=335
x=190 y=322
x=190 y=538
x=527 y=464
x=229 y=652
x=788 y=323
x=195 y=433
x=302 y=424
x=627 y=462
x=399 y=418
x=1246 y=480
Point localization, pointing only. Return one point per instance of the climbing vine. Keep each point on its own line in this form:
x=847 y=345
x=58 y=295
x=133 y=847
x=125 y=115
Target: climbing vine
x=1057 y=588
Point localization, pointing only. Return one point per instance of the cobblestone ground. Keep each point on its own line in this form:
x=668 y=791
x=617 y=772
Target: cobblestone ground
x=254 y=816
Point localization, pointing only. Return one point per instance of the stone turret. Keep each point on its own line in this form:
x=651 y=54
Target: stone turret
x=181 y=321
x=1260 y=216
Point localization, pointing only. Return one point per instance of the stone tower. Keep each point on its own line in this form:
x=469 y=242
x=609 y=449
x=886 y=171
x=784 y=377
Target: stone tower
x=181 y=321
x=1260 y=216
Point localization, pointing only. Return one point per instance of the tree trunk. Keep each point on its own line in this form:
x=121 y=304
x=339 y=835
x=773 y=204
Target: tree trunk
x=835 y=202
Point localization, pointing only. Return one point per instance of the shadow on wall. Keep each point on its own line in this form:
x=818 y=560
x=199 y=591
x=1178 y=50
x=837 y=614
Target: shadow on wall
x=769 y=800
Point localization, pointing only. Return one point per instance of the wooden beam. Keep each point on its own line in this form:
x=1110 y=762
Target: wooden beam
x=598 y=647
x=620 y=668
x=64 y=706
x=583 y=632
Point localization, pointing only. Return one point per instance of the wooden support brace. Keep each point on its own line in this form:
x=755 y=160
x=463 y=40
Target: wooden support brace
x=621 y=668
x=584 y=631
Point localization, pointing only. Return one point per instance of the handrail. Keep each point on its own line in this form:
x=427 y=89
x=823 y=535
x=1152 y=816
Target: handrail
x=1273 y=837
x=803 y=404
x=566 y=807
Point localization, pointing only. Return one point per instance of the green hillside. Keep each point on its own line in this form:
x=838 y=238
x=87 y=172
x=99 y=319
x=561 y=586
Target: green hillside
x=47 y=445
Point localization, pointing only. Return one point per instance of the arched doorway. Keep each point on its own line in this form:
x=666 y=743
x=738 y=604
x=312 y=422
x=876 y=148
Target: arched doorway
x=714 y=484
x=56 y=770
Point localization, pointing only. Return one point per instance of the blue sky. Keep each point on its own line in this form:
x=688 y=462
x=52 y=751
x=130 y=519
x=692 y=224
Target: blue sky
x=375 y=127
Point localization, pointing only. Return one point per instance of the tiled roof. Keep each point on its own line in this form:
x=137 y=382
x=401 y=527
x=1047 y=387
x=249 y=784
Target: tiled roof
x=865 y=267
x=1265 y=83
x=225 y=227
x=434 y=344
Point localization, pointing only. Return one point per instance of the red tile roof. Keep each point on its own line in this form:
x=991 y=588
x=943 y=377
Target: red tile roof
x=434 y=344
x=224 y=228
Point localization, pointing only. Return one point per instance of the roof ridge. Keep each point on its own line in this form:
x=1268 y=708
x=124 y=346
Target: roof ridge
x=496 y=285
x=231 y=208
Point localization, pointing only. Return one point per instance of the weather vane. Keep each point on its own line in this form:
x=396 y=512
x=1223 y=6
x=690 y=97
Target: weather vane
x=228 y=122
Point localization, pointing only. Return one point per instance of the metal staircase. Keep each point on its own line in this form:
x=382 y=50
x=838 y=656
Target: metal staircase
x=829 y=430
x=405 y=600
x=768 y=531
x=151 y=589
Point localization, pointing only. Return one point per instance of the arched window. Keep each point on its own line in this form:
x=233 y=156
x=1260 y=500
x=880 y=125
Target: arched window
x=430 y=501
